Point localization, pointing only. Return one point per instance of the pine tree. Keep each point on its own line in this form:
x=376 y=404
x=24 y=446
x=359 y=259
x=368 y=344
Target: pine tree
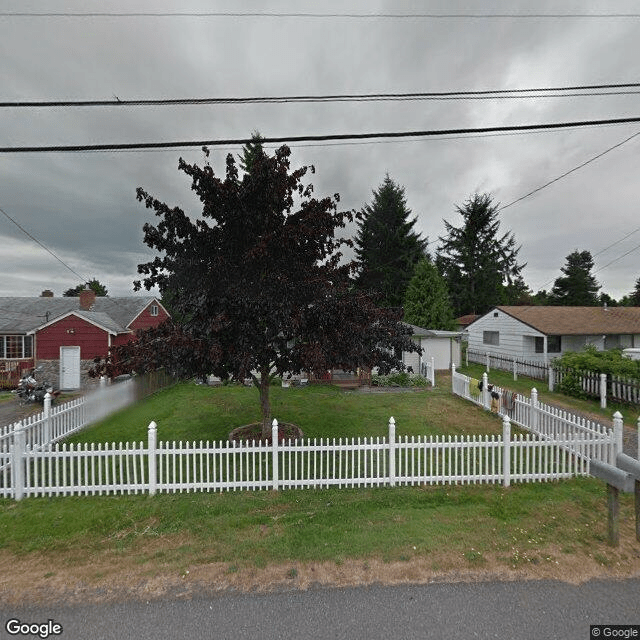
x=426 y=302
x=578 y=287
x=250 y=152
x=479 y=266
x=386 y=246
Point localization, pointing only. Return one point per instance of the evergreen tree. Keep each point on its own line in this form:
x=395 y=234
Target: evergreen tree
x=251 y=152
x=578 y=287
x=479 y=266
x=98 y=288
x=426 y=302
x=386 y=246
x=634 y=296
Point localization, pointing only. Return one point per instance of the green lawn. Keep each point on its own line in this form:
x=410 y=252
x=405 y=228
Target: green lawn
x=192 y=412
x=534 y=523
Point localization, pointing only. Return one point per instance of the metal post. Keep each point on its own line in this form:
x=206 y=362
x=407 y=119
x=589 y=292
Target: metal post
x=153 y=471
x=515 y=369
x=274 y=453
x=506 y=450
x=392 y=451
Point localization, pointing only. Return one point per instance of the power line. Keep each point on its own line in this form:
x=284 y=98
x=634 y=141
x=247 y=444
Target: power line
x=310 y=138
x=273 y=14
x=62 y=262
x=564 y=175
x=488 y=94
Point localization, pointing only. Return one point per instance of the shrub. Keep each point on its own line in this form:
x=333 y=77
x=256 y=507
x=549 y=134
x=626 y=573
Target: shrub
x=398 y=380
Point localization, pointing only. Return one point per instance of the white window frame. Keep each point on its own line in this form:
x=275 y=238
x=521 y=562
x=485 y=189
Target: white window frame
x=154 y=310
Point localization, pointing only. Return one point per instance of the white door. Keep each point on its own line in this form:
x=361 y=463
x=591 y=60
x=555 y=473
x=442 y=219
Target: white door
x=69 y=368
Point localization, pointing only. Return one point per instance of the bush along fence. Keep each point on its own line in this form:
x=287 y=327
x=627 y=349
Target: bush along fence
x=545 y=422
x=154 y=467
x=572 y=382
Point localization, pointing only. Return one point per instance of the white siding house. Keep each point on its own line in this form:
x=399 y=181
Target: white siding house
x=538 y=333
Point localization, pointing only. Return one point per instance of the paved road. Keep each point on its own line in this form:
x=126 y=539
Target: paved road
x=539 y=610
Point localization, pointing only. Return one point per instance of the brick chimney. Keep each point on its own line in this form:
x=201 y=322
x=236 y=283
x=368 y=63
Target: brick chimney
x=87 y=298
x=47 y=293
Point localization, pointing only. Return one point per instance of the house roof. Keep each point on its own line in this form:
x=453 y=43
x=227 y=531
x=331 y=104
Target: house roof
x=465 y=321
x=557 y=320
x=20 y=315
x=431 y=333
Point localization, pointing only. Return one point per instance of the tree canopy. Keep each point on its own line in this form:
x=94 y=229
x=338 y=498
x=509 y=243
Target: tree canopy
x=426 y=302
x=95 y=285
x=386 y=245
x=578 y=286
x=479 y=265
x=257 y=283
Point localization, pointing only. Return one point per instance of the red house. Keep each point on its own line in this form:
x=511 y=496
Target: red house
x=64 y=335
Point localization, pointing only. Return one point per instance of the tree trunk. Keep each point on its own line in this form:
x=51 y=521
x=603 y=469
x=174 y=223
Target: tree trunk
x=265 y=404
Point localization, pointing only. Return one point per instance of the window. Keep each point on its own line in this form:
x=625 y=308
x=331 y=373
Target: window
x=154 y=309
x=14 y=347
x=553 y=344
x=491 y=337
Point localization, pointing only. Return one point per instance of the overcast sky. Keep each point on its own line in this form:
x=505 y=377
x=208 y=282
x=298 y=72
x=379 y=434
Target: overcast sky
x=83 y=206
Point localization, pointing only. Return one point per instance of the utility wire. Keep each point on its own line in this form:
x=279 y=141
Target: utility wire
x=495 y=94
x=62 y=262
x=272 y=14
x=309 y=138
x=564 y=175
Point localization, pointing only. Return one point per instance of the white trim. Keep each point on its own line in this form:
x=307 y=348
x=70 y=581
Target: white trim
x=153 y=301
x=66 y=315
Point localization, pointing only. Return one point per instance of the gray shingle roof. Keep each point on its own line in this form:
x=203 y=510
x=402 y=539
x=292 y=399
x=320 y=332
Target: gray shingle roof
x=19 y=315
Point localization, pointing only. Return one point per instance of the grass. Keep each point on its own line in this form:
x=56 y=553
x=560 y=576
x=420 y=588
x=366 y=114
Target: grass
x=525 y=524
x=261 y=528
x=192 y=412
x=524 y=385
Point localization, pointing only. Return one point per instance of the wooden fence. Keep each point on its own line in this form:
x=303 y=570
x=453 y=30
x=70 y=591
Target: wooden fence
x=154 y=467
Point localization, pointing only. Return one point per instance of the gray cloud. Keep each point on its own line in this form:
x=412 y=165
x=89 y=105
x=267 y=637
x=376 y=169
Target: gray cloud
x=83 y=205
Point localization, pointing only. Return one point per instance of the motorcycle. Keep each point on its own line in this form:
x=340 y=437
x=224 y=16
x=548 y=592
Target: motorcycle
x=30 y=390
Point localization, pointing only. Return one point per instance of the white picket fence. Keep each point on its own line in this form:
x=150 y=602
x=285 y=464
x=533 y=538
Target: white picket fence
x=542 y=420
x=56 y=422
x=428 y=370
x=154 y=467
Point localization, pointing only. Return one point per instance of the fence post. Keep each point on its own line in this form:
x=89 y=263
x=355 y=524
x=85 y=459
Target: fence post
x=487 y=360
x=433 y=371
x=153 y=471
x=466 y=356
x=551 y=379
x=274 y=453
x=103 y=381
x=534 y=410
x=603 y=390
x=17 y=462
x=515 y=369
x=638 y=427
x=46 y=436
x=453 y=376
x=486 y=397
x=392 y=451
x=506 y=450
x=617 y=434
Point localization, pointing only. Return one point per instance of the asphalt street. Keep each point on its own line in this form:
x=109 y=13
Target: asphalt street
x=533 y=610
